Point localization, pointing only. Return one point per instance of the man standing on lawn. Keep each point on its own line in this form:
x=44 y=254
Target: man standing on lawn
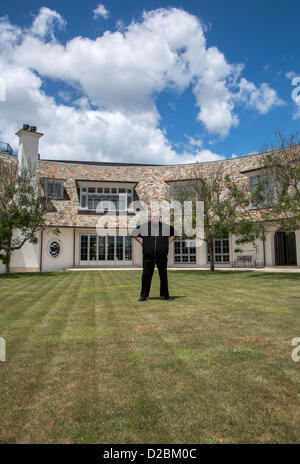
x=155 y=238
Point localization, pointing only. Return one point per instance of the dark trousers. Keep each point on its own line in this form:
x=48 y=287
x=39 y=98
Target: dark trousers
x=148 y=269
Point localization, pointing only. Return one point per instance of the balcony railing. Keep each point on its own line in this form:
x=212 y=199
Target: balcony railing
x=5 y=147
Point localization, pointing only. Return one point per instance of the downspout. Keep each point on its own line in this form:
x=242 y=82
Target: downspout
x=41 y=253
x=74 y=246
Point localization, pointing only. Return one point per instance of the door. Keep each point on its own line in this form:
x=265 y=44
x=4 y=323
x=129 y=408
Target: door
x=285 y=249
x=105 y=249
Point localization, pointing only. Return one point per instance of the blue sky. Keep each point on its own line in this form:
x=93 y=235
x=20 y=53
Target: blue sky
x=150 y=81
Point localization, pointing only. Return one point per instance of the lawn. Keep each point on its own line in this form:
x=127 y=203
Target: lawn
x=87 y=363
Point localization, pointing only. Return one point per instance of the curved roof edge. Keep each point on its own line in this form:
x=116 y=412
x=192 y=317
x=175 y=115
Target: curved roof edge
x=116 y=164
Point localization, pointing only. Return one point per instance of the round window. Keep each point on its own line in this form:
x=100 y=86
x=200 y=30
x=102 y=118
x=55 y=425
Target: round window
x=54 y=249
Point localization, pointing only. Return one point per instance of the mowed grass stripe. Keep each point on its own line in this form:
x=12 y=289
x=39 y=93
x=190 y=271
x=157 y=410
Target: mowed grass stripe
x=65 y=374
x=21 y=293
x=176 y=385
x=128 y=410
x=31 y=359
x=25 y=300
x=30 y=315
x=12 y=284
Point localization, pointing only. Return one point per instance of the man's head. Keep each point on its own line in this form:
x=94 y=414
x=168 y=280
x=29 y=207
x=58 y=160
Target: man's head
x=155 y=216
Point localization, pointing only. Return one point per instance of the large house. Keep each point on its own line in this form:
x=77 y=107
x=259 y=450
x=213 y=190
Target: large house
x=77 y=187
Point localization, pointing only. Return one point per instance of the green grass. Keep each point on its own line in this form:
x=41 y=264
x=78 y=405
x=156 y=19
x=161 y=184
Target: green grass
x=87 y=363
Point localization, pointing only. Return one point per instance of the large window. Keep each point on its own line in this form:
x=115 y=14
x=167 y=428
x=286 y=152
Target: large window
x=106 y=198
x=54 y=189
x=182 y=190
x=184 y=251
x=221 y=250
x=266 y=190
x=95 y=248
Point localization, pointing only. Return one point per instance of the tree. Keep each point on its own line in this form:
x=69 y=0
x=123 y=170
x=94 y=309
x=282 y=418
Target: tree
x=226 y=205
x=277 y=191
x=22 y=208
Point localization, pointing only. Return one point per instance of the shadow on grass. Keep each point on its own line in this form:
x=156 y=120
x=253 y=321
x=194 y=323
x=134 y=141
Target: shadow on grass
x=16 y=275
x=247 y=274
x=273 y=275
x=161 y=298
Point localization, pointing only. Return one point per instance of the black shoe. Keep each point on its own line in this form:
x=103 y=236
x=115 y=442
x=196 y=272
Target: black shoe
x=142 y=299
x=169 y=298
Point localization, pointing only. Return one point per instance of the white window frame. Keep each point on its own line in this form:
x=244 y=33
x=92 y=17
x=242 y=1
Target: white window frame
x=120 y=193
x=222 y=253
x=115 y=259
x=178 y=243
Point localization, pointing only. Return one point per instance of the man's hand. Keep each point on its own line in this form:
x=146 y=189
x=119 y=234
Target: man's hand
x=139 y=239
x=171 y=240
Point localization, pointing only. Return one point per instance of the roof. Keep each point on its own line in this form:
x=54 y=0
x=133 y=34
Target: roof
x=100 y=163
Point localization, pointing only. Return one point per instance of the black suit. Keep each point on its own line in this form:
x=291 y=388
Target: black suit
x=155 y=251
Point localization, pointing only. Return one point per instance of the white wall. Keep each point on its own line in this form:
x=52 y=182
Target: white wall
x=270 y=247
x=65 y=257
x=26 y=258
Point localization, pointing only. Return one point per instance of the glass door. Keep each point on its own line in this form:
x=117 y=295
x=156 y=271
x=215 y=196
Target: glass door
x=111 y=248
x=105 y=249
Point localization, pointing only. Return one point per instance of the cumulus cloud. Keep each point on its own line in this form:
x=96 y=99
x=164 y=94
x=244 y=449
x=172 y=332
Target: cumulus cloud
x=261 y=98
x=45 y=23
x=118 y=76
x=100 y=11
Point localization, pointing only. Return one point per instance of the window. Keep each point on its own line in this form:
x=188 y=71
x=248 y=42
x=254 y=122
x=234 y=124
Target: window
x=95 y=248
x=183 y=190
x=55 y=190
x=221 y=250
x=54 y=249
x=93 y=198
x=267 y=190
x=184 y=251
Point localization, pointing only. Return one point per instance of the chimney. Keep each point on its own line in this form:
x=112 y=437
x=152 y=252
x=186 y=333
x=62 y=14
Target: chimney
x=28 y=147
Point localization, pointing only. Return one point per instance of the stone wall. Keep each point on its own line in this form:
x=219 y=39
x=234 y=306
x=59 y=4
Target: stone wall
x=151 y=182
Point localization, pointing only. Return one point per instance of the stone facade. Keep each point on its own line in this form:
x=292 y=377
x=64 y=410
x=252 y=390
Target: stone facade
x=151 y=182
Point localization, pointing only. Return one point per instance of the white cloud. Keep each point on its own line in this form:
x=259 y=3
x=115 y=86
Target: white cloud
x=261 y=98
x=45 y=22
x=290 y=75
x=117 y=77
x=194 y=142
x=100 y=11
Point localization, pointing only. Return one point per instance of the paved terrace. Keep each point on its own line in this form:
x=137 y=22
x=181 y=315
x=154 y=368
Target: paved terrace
x=124 y=268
